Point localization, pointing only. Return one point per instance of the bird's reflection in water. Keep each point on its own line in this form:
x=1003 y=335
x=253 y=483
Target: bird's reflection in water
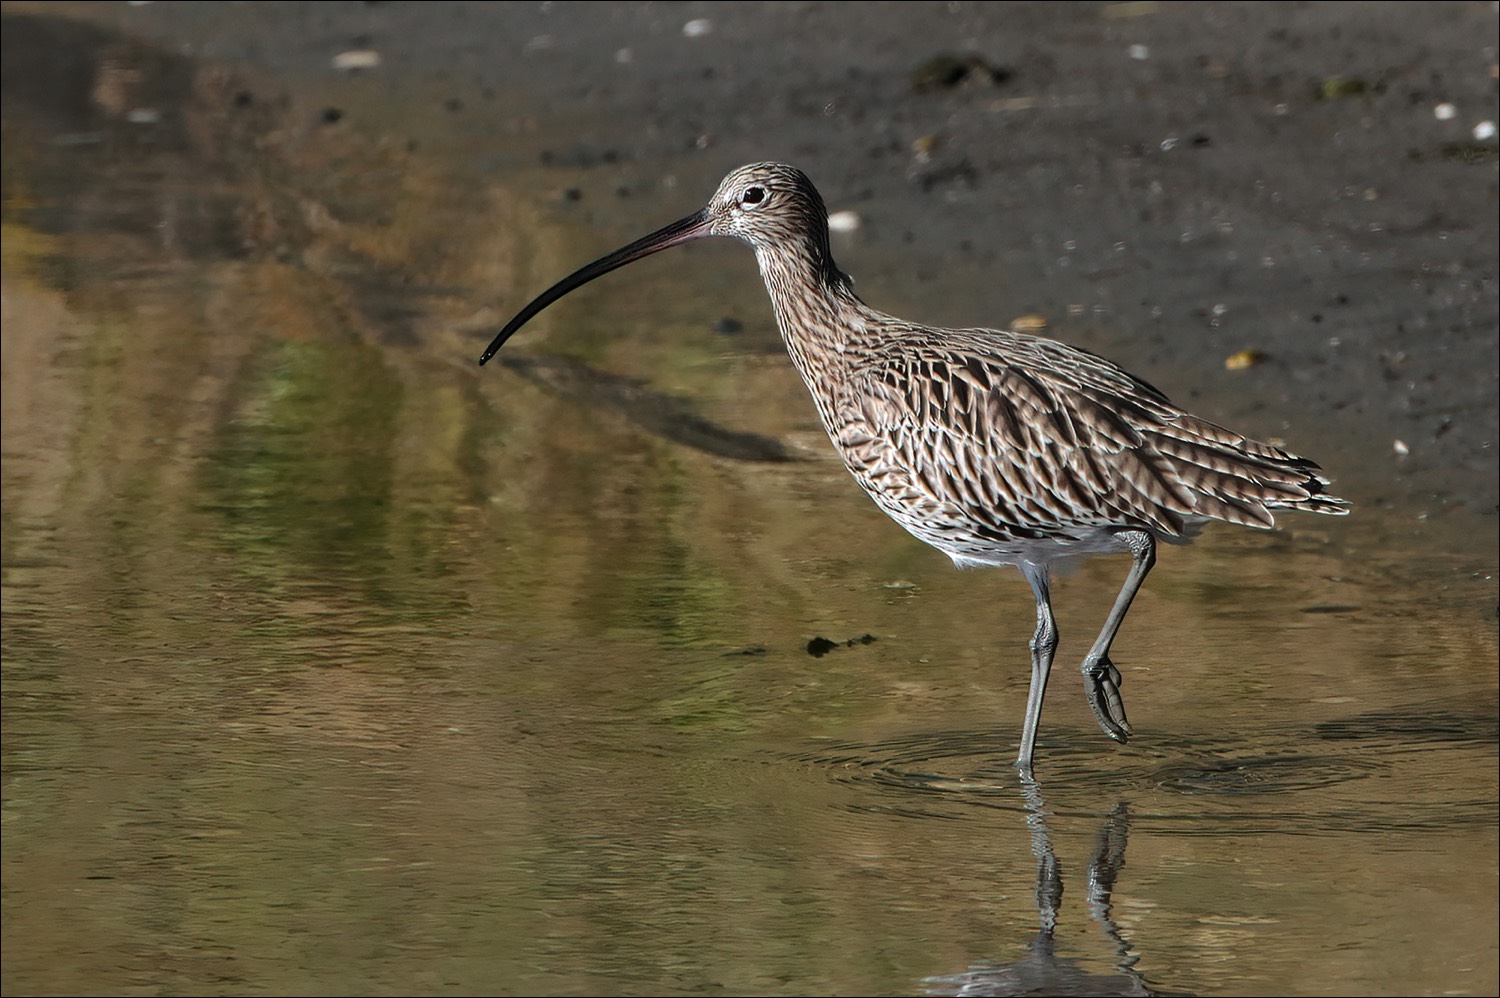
x=1041 y=971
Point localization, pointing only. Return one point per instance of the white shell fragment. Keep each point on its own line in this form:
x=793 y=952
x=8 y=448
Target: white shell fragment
x=357 y=59
x=843 y=221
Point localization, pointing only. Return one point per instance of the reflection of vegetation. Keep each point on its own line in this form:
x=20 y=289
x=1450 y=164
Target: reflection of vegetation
x=303 y=474
x=611 y=533
x=314 y=479
x=666 y=590
x=326 y=473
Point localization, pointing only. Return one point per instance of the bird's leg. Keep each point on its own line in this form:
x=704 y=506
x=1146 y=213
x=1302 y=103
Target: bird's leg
x=1043 y=645
x=1101 y=680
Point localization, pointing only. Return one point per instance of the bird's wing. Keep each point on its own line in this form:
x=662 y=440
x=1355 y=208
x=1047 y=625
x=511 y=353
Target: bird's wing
x=1036 y=438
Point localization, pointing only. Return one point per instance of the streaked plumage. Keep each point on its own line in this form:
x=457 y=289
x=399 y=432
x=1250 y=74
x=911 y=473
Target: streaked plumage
x=995 y=447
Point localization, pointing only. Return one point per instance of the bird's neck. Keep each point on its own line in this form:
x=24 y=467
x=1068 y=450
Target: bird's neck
x=816 y=309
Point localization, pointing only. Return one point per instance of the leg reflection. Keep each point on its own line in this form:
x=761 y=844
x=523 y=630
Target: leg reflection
x=1041 y=971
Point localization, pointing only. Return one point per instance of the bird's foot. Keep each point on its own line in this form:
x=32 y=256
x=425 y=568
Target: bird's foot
x=1101 y=681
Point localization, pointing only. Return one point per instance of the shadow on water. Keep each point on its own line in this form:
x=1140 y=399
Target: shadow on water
x=332 y=665
x=662 y=415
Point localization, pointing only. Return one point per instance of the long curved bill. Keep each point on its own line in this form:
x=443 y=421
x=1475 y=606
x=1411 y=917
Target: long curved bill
x=695 y=226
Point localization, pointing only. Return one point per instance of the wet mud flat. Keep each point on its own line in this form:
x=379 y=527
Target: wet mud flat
x=1170 y=186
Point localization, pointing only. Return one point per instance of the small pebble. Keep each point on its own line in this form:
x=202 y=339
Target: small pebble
x=698 y=27
x=1484 y=131
x=1445 y=112
x=1140 y=52
x=1244 y=359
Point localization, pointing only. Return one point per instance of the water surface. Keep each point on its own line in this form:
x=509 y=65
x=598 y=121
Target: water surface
x=333 y=664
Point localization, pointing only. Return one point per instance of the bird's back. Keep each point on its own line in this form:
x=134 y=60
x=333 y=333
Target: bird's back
x=998 y=447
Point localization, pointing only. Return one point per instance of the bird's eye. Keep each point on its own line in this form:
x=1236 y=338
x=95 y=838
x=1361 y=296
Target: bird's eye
x=753 y=195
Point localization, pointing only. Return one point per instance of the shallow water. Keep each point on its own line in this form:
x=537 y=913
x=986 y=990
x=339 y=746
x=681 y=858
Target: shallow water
x=333 y=664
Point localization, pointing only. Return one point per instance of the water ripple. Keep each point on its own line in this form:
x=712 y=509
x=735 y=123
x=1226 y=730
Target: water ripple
x=1366 y=781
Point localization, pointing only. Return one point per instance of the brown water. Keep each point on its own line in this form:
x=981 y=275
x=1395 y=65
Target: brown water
x=333 y=664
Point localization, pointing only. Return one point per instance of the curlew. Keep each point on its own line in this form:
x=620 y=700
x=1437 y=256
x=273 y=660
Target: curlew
x=995 y=447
